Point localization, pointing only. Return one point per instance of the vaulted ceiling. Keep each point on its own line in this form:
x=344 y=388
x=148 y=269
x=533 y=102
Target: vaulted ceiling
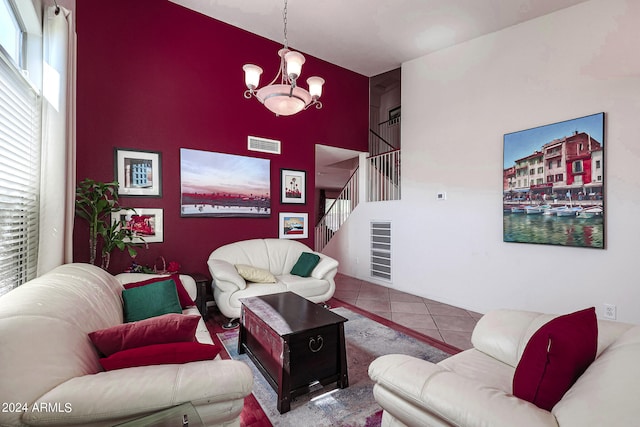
x=372 y=36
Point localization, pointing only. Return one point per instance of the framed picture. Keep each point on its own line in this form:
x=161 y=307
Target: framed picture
x=293 y=186
x=394 y=114
x=138 y=173
x=553 y=184
x=224 y=185
x=293 y=225
x=146 y=224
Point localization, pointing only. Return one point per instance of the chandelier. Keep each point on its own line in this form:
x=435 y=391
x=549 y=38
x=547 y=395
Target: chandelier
x=285 y=98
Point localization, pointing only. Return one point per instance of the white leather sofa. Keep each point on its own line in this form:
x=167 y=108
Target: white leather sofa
x=278 y=256
x=474 y=387
x=48 y=361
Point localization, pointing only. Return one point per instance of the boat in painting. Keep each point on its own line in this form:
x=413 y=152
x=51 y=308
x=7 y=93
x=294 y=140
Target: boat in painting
x=568 y=211
x=591 y=212
x=536 y=209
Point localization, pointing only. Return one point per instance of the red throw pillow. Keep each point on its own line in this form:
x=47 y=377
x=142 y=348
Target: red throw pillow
x=555 y=357
x=160 y=354
x=167 y=328
x=183 y=295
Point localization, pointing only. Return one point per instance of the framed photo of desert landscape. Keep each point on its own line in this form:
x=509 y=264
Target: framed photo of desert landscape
x=293 y=186
x=138 y=173
x=224 y=185
x=553 y=184
x=293 y=225
x=145 y=224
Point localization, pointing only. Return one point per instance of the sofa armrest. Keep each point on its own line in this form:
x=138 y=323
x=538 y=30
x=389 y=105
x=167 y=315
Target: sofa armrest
x=225 y=275
x=403 y=380
x=131 y=392
x=324 y=267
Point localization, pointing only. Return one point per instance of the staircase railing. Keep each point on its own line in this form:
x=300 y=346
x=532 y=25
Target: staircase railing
x=338 y=212
x=385 y=138
x=383 y=177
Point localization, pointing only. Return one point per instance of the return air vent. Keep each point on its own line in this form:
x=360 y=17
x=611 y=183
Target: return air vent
x=263 y=145
x=381 y=250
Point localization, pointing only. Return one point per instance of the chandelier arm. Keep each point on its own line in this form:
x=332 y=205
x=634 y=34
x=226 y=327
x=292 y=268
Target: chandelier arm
x=315 y=102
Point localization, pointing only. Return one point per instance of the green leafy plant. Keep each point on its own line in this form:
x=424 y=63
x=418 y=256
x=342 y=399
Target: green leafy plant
x=95 y=202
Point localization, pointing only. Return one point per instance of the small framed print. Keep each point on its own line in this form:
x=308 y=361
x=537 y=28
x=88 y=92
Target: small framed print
x=294 y=225
x=293 y=186
x=145 y=224
x=138 y=173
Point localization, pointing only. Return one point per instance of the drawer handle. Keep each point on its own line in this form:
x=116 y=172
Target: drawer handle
x=318 y=346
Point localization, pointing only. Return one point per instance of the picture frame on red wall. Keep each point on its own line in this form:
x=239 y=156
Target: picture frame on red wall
x=293 y=186
x=138 y=172
x=146 y=225
x=293 y=225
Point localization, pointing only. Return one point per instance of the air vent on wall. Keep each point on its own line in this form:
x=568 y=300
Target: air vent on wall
x=381 y=250
x=263 y=145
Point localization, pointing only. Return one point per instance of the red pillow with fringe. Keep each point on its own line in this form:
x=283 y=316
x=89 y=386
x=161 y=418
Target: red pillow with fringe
x=160 y=354
x=168 y=328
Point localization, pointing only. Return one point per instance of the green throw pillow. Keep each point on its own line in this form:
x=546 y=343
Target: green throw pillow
x=154 y=299
x=305 y=265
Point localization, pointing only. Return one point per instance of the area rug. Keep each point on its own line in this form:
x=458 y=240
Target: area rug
x=353 y=406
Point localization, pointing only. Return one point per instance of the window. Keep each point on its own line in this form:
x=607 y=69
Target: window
x=577 y=166
x=19 y=161
x=10 y=33
x=597 y=164
x=559 y=164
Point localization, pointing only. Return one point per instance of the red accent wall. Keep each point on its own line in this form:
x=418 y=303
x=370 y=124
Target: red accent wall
x=153 y=75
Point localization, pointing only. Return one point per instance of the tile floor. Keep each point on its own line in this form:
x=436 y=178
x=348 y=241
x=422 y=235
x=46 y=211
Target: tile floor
x=443 y=322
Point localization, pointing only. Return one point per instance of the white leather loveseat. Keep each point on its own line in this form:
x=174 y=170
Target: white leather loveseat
x=50 y=372
x=278 y=256
x=474 y=387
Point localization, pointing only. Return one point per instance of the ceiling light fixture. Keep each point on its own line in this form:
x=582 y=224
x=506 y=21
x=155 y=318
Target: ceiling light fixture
x=285 y=98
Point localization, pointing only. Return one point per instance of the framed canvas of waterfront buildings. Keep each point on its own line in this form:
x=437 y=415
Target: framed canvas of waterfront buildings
x=553 y=184
x=224 y=185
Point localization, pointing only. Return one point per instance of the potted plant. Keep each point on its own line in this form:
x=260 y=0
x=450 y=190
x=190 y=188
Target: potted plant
x=95 y=202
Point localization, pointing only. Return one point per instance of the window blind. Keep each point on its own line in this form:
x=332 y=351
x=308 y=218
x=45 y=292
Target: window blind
x=19 y=177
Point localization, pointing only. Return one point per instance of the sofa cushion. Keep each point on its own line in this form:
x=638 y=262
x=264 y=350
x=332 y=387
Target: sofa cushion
x=555 y=357
x=183 y=295
x=305 y=264
x=255 y=274
x=163 y=329
x=154 y=299
x=160 y=354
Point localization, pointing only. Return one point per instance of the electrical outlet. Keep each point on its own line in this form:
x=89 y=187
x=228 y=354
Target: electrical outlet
x=610 y=311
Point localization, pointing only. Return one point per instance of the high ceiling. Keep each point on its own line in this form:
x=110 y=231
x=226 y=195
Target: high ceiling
x=370 y=36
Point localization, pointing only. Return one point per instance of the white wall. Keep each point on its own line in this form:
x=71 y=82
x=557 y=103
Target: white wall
x=456 y=106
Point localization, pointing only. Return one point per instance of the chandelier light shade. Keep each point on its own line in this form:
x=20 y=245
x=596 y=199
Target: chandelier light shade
x=285 y=98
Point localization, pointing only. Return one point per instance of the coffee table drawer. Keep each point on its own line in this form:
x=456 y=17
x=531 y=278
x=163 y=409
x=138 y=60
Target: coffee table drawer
x=313 y=355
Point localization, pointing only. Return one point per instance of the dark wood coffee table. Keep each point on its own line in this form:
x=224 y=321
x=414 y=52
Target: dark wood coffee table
x=296 y=344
